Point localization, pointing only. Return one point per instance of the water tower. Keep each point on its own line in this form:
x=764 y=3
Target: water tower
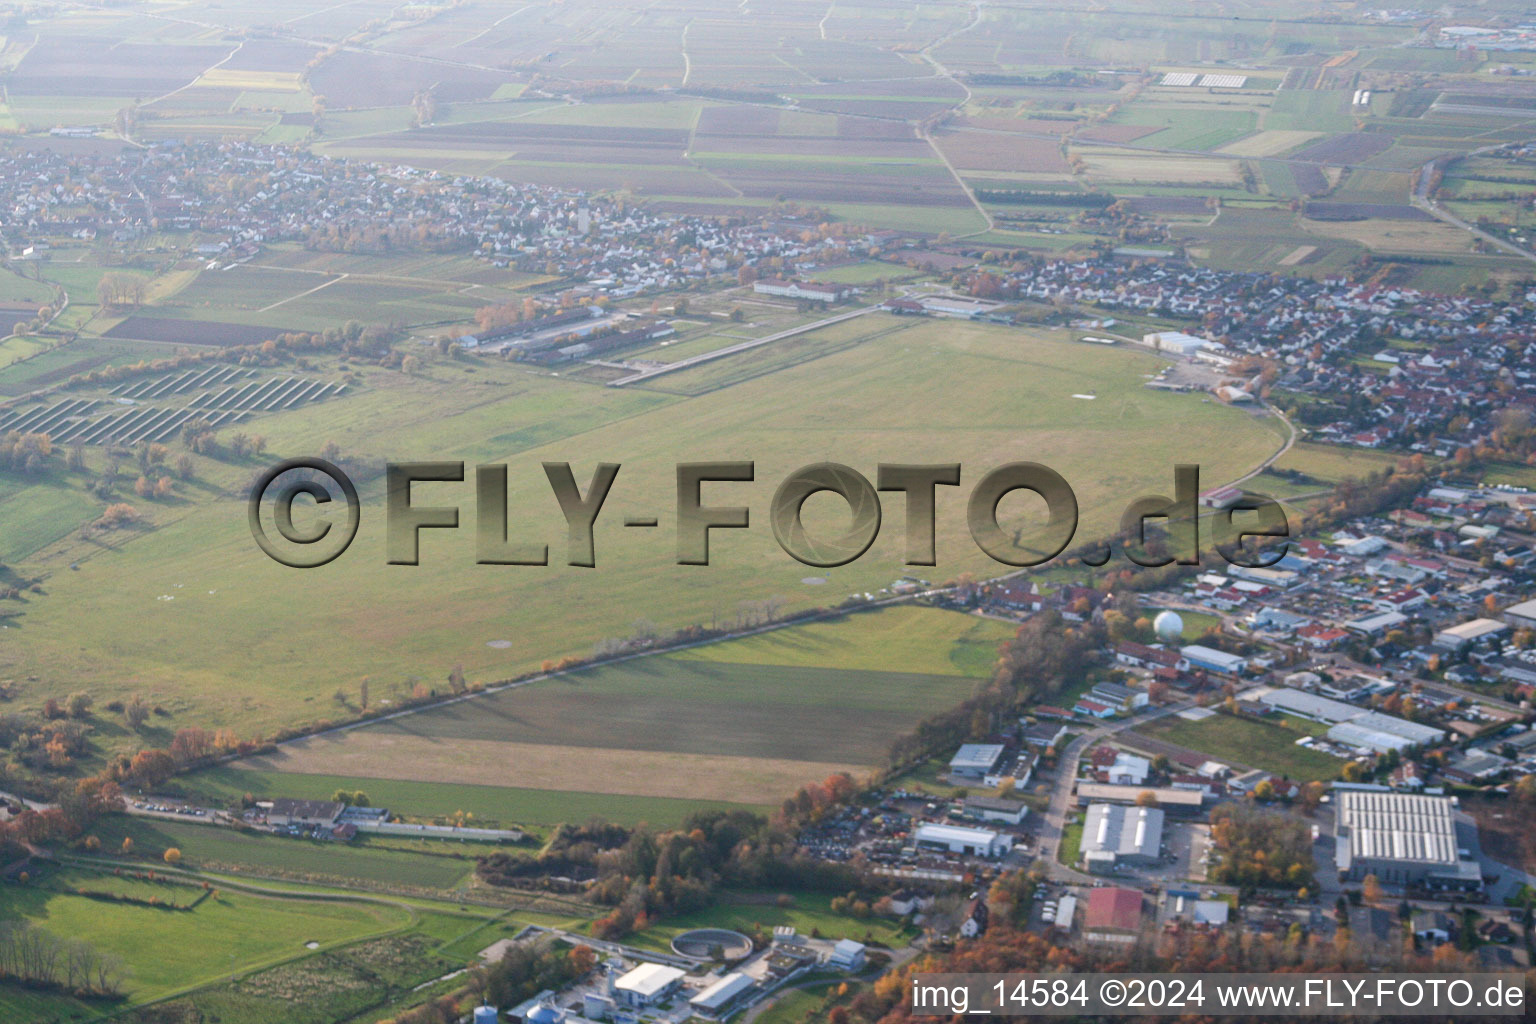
x=1168 y=625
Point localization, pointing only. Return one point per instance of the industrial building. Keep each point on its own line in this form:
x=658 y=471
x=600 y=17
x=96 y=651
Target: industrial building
x=1169 y=798
x=284 y=811
x=1475 y=633
x=1179 y=343
x=996 y=808
x=1113 y=916
x=1522 y=615
x=814 y=291
x=1405 y=839
x=715 y=999
x=968 y=842
x=1361 y=737
x=1369 y=730
x=1115 y=834
x=647 y=985
x=1212 y=660
x=975 y=760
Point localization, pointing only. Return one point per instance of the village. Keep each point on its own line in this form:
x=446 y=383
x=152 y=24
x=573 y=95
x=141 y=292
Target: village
x=1378 y=365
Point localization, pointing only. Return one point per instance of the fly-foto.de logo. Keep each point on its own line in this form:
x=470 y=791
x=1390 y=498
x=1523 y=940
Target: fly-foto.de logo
x=1235 y=529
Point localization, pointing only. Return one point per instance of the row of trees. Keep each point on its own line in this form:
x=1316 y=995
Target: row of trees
x=32 y=956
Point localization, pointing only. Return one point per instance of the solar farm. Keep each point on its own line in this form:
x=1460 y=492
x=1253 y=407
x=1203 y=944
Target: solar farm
x=221 y=395
x=1190 y=78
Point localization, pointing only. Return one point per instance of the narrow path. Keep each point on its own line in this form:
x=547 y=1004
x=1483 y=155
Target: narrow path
x=312 y=291
x=497 y=23
x=989 y=222
x=1290 y=442
x=1421 y=199
x=197 y=77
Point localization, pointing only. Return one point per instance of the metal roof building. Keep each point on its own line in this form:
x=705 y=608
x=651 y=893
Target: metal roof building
x=1521 y=615
x=1213 y=660
x=1413 y=732
x=722 y=993
x=1309 y=705
x=1402 y=839
x=1115 y=834
x=647 y=984
x=1361 y=738
x=1168 y=797
x=1465 y=634
x=971 y=842
x=1369 y=729
x=976 y=758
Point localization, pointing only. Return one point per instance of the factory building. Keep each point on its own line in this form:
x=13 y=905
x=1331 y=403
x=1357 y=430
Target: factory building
x=968 y=842
x=994 y=808
x=1179 y=343
x=1474 y=633
x=1113 y=916
x=723 y=994
x=1114 y=834
x=975 y=760
x=1405 y=839
x=1212 y=660
x=1522 y=615
x=647 y=985
x=1369 y=730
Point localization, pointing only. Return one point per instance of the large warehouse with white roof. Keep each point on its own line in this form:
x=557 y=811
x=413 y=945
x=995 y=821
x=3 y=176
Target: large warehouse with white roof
x=1403 y=839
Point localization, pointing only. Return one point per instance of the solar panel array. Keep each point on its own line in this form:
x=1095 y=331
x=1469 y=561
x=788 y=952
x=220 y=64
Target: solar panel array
x=220 y=395
x=1207 y=81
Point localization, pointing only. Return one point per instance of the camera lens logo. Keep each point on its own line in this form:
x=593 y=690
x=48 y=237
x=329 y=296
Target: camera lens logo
x=323 y=540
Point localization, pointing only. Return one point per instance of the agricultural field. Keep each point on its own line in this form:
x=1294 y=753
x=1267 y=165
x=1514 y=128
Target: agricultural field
x=828 y=107
x=740 y=722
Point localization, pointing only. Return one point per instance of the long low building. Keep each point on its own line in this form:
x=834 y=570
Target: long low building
x=1115 y=834
x=1169 y=798
x=1362 y=737
x=1370 y=725
x=968 y=842
x=1405 y=839
x=1212 y=660
x=721 y=995
x=1470 y=634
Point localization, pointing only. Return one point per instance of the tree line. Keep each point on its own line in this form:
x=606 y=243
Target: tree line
x=38 y=958
x=643 y=875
